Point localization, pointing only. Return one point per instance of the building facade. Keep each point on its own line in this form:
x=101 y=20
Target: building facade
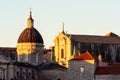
x=62 y=50
x=81 y=67
x=69 y=45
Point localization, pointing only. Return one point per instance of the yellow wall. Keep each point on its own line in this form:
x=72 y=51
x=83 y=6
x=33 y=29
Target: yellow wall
x=26 y=49
x=62 y=42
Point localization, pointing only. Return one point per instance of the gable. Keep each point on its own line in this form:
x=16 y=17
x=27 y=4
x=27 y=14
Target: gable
x=87 y=57
x=84 y=56
x=61 y=37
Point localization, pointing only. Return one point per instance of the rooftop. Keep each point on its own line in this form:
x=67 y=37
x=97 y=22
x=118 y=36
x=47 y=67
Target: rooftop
x=114 y=69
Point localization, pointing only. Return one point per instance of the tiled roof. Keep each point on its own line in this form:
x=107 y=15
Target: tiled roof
x=102 y=70
x=95 y=39
x=30 y=35
x=8 y=52
x=53 y=66
x=84 y=56
x=48 y=55
x=8 y=48
x=114 y=69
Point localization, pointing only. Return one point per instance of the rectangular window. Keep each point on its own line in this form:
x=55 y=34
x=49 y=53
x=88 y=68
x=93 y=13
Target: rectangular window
x=62 y=53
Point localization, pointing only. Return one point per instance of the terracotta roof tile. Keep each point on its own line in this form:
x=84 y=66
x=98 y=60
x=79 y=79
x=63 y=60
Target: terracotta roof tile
x=114 y=69
x=102 y=70
x=48 y=55
x=84 y=56
x=30 y=35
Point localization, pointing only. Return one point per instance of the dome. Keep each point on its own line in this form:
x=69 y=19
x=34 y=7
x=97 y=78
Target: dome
x=30 y=35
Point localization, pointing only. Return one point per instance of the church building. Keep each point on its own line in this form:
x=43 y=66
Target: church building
x=67 y=46
x=30 y=44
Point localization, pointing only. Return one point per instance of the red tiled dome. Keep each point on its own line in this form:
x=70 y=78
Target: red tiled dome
x=30 y=35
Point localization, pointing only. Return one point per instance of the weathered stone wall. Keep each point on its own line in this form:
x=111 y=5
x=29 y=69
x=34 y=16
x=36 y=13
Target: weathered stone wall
x=53 y=74
x=107 y=77
x=80 y=70
x=6 y=71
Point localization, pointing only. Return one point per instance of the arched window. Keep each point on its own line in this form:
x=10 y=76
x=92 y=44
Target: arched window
x=18 y=75
x=62 y=53
x=27 y=74
x=33 y=75
x=23 y=75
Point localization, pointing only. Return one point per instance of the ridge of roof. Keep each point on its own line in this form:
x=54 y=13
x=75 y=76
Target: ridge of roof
x=94 y=39
x=7 y=48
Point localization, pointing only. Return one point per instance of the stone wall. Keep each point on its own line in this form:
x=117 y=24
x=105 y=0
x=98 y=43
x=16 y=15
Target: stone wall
x=80 y=70
x=107 y=77
x=53 y=74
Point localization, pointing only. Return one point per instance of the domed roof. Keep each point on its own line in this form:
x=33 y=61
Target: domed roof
x=30 y=35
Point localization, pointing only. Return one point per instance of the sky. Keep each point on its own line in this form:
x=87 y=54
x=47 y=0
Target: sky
x=87 y=17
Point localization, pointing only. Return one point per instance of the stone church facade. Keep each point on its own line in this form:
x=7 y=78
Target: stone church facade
x=69 y=45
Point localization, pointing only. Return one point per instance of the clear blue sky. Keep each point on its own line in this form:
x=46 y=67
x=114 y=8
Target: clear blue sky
x=93 y=17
